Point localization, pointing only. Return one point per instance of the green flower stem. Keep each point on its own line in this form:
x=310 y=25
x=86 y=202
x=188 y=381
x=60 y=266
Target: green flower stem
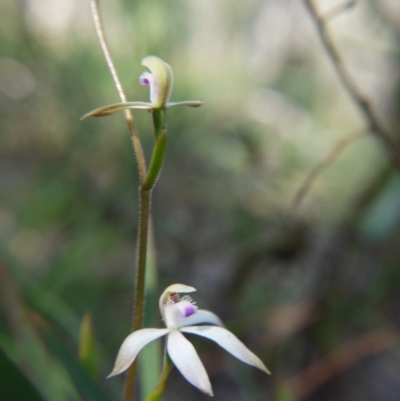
x=145 y=201
x=156 y=163
x=159 y=119
x=160 y=131
x=158 y=391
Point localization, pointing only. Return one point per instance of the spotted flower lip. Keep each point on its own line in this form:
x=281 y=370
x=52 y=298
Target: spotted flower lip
x=181 y=315
x=160 y=79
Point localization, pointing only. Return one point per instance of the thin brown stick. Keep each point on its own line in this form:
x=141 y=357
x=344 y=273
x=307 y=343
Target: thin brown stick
x=321 y=371
x=374 y=125
x=137 y=145
x=329 y=158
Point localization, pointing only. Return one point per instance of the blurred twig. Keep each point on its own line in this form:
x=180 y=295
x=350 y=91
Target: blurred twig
x=329 y=158
x=373 y=124
x=137 y=145
x=348 y=354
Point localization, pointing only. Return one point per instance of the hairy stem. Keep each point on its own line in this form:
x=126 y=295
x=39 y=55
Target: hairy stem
x=160 y=131
x=159 y=118
x=145 y=203
x=147 y=182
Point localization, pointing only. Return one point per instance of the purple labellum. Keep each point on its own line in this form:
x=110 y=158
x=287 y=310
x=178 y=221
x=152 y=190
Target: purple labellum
x=187 y=308
x=144 y=80
x=189 y=311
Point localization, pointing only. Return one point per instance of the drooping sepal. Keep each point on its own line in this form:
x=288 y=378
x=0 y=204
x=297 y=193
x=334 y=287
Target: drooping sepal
x=115 y=108
x=190 y=103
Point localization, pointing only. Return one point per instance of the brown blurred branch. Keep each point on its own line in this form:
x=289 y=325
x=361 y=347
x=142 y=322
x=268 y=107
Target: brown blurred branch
x=329 y=158
x=137 y=145
x=374 y=125
x=347 y=355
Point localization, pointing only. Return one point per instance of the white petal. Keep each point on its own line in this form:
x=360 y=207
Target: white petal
x=132 y=346
x=172 y=316
x=185 y=358
x=179 y=288
x=229 y=342
x=201 y=316
x=172 y=288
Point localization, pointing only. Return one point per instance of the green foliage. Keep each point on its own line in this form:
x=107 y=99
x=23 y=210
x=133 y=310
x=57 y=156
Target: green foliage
x=17 y=386
x=273 y=108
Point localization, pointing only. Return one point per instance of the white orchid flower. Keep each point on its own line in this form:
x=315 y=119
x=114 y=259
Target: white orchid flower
x=160 y=79
x=180 y=315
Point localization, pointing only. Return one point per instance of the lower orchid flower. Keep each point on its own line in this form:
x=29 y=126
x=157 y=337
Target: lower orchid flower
x=181 y=315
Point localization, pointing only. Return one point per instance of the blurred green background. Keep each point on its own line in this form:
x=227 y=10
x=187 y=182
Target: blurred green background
x=313 y=290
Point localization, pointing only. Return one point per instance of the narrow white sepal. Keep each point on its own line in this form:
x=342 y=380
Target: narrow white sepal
x=190 y=103
x=132 y=345
x=185 y=358
x=179 y=288
x=201 y=316
x=229 y=342
x=115 y=108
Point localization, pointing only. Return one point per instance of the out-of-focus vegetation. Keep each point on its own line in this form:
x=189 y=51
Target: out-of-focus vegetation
x=313 y=291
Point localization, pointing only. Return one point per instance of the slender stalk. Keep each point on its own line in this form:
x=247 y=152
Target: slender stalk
x=147 y=182
x=158 y=391
x=145 y=203
x=160 y=130
x=144 y=196
x=137 y=145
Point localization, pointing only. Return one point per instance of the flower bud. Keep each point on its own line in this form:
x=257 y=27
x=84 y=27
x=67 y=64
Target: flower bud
x=160 y=79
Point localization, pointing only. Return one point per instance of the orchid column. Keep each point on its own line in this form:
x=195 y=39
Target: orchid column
x=160 y=79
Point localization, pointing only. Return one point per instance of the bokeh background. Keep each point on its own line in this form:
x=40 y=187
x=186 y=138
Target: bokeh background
x=312 y=288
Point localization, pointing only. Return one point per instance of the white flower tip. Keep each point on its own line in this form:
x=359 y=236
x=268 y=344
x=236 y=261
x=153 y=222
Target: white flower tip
x=255 y=361
x=263 y=368
x=208 y=391
x=121 y=364
x=113 y=373
x=117 y=370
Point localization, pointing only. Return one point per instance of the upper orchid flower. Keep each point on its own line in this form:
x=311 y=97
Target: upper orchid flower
x=179 y=315
x=160 y=79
